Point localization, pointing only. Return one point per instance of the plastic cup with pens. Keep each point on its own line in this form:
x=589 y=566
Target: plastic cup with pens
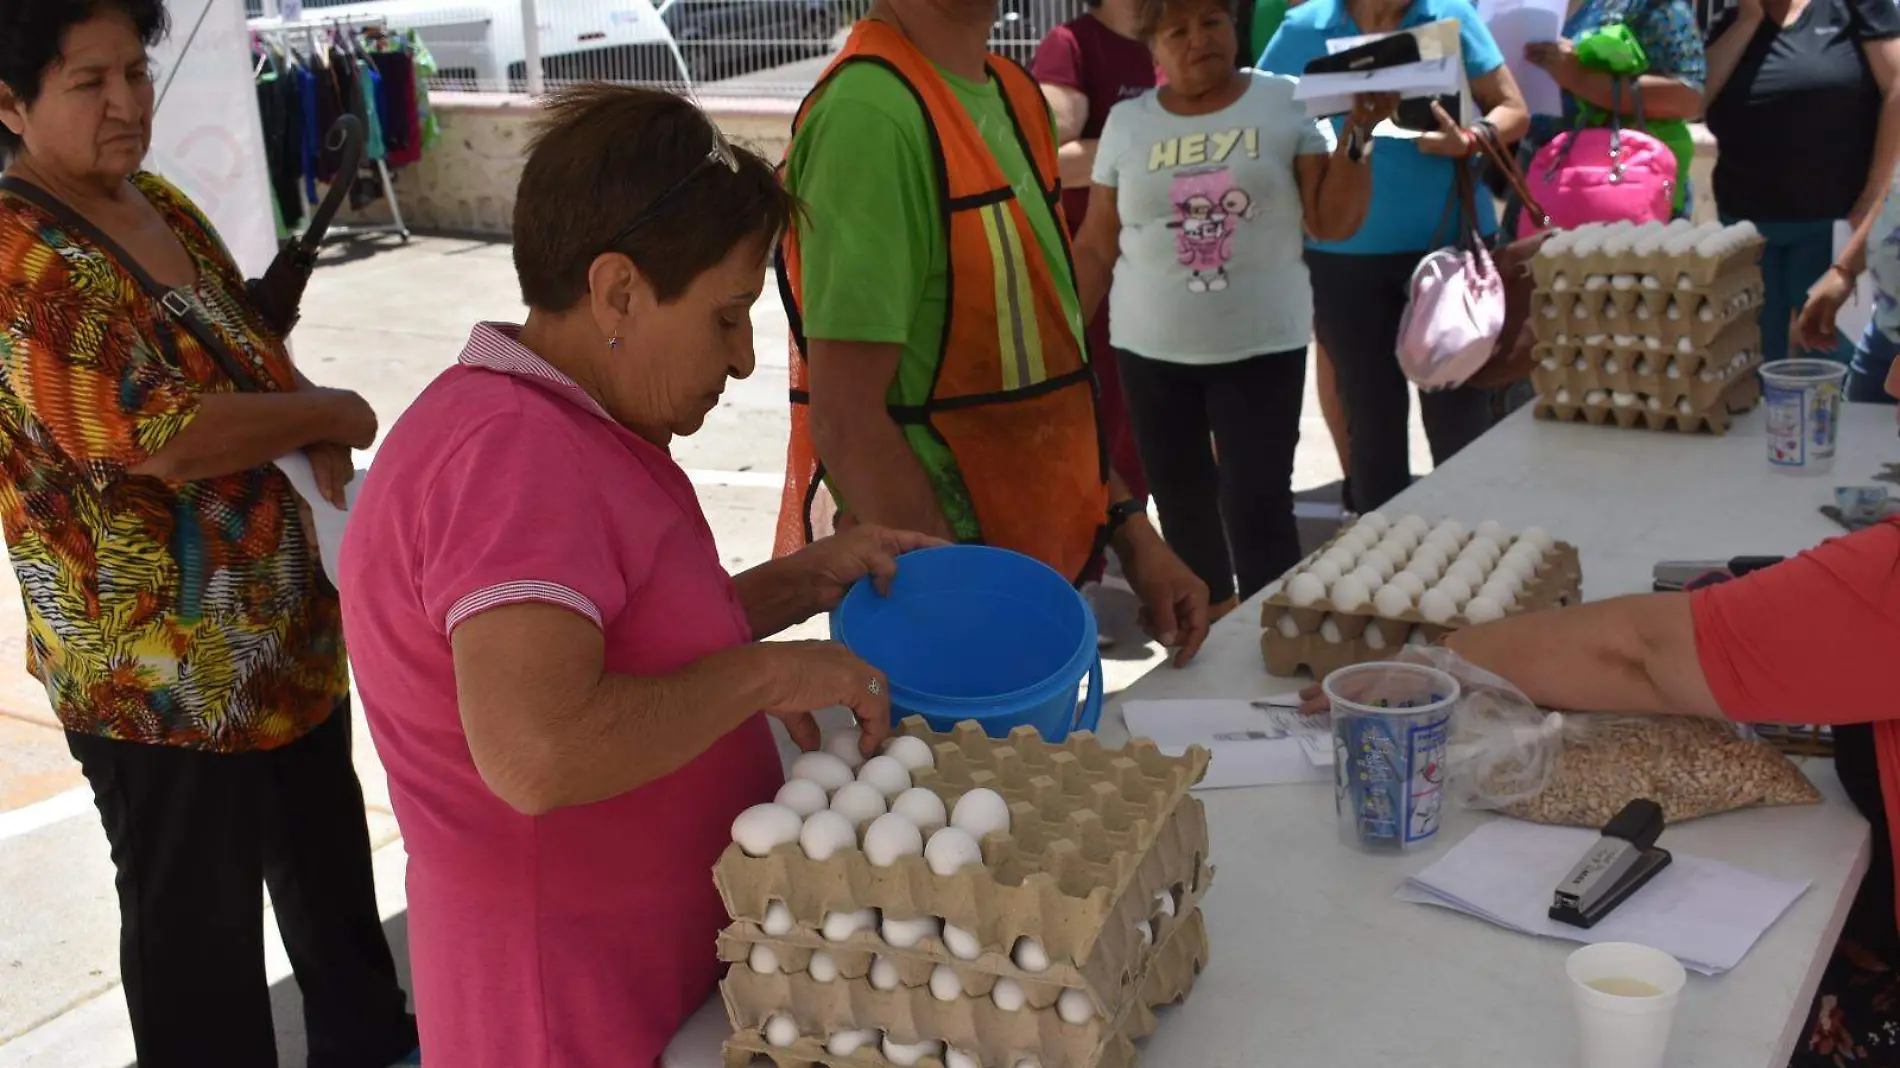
x=1391 y=735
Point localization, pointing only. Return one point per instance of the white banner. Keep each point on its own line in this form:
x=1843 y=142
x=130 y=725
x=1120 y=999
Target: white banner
x=207 y=138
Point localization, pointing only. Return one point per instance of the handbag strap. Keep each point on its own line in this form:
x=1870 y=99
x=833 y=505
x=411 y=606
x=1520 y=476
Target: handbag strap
x=1506 y=162
x=180 y=304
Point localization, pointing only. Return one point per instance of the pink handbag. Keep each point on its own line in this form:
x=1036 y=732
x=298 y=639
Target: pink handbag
x=1456 y=313
x=1601 y=175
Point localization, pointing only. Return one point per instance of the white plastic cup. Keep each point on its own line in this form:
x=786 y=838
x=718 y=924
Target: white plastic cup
x=1624 y=1030
x=1391 y=730
x=1802 y=399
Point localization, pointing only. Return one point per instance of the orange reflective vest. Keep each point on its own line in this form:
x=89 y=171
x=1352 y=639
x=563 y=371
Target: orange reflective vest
x=1014 y=399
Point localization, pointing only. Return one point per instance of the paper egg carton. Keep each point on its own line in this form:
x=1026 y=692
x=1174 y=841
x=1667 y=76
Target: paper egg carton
x=1651 y=257
x=1684 y=382
x=1740 y=394
x=1095 y=835
x=1678 y=319
x=1322 y=638
x=972 y=1024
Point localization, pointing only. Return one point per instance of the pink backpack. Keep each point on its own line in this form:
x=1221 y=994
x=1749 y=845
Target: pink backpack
x=1600 y=175
x=1456 y=313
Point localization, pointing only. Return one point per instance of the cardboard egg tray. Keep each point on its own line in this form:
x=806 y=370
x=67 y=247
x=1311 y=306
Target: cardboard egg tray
x=973 y=1024
x=1095 y=835
x=1740 y=394
x=1677 y=318
x=1366 y=635
x=1701 y=376
x=1656 y=271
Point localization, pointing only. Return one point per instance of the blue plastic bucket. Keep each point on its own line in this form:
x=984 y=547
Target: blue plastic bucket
x=970 y=632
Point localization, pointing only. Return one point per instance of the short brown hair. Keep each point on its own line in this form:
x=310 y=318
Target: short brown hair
x=601 y=157
x=1149 y=13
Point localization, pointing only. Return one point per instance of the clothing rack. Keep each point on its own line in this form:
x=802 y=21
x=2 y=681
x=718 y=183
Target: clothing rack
x=316 y=34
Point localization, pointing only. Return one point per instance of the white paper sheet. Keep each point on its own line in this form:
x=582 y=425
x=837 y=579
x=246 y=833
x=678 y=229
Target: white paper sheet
x=1248 y=747
x=1516 y=23
x=326 y=517
x=1431 y=77
x=1704 y=913
x=1436 y=40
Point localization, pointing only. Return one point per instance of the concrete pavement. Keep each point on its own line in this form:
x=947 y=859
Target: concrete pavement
x=382 y=319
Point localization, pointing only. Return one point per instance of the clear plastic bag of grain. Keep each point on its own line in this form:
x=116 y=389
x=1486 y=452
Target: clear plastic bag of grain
x=1503 y=749
x=1689 y=765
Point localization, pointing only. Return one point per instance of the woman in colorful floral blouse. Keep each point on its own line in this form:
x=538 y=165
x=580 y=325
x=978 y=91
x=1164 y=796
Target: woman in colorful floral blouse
x=174 y=607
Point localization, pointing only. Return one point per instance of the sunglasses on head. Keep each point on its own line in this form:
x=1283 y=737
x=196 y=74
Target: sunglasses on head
x=720 y=155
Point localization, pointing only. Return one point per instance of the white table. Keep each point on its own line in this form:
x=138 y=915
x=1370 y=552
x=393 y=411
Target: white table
x=1315 y=964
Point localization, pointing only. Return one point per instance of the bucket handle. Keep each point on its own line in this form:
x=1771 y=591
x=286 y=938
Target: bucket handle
x=1091 y=714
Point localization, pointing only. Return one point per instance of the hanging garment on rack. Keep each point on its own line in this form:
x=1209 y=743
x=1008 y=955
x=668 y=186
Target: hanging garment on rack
x=402 y=129
x=430 y=124
x=281 y=110
x=311 y=140
x=369 y=89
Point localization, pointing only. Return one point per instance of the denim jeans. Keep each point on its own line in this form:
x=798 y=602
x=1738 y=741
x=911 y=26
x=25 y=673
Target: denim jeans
x=1798 y=254
x=1867 y=373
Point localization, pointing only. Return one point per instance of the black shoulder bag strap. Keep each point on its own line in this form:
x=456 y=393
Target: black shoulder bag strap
x=178 y=303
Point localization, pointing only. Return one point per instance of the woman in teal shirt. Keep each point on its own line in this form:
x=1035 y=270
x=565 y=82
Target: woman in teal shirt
x=1361 y=285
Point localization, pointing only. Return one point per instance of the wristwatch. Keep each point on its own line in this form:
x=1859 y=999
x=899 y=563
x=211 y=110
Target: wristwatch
x=1120 y=512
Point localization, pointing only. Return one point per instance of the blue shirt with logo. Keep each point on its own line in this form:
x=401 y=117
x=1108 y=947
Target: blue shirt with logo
x=1409 y=190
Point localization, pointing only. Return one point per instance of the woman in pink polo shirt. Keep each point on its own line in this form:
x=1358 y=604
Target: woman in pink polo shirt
x=561 y=678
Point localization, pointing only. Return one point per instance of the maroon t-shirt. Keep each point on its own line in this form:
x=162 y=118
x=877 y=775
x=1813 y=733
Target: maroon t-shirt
x=1087 y=56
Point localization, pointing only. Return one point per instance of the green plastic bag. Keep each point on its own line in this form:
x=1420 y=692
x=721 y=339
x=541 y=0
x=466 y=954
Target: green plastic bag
x=1267 y=16
x=1612 y=49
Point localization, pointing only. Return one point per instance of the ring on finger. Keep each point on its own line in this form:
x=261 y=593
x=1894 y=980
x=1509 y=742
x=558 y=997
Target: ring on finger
x=876 y=687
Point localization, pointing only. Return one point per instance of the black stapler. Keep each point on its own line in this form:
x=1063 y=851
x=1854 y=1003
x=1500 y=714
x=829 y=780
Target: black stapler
x=1620 y=863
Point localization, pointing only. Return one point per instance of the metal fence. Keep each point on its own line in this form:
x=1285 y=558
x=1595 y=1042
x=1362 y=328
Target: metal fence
x=710 y=48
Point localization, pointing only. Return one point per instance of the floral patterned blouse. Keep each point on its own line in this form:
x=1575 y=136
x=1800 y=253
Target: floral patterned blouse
x=186 y=614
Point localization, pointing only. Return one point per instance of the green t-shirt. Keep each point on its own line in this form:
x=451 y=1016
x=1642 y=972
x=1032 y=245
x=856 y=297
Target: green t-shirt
x=871 y=244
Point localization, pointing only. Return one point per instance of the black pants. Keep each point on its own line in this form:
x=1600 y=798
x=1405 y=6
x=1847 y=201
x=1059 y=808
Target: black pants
x=1357 y=304
x=195 y=838
x=1241 y=502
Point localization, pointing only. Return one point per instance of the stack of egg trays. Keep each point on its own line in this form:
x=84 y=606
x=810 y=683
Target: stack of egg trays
x=1366 y=635
x=1700 y=376
x=1654 y=272
x=1680 y=321
x=1096 y=837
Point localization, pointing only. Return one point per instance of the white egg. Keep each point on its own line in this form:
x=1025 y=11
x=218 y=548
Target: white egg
x=840 y=926
x=1539 y=537
x=1074 y=1007
x=1329 y=630
x=886 y=774
x=1483 y=610
x=1416 y=636
x=1404 y=537
x=1453 y=528
x=1490 y=529
x=1305 y=589
x=913 y=753
x=1392 y=601
x=982 y=812
x=1375 y=522
x=1029 y=955
x=908 y=934
x=859 y=802
x=1380 y=562
x=1357 y=539
x=1455 y=588
x=1350 y=593
x=1325 y=570
x=1506 y=577
x=823 y=967
x=1411 y=582
x=950 y=848
x=1436 y=606
x=962 y=943
x=1498 y=591
x=1008 y=995
x=762 y=960
x=1374 y=638
x=781 y=1031
x=884 y=975
x=890 y=837
x=1394 y=549
x=1164 y=903
x=822 y=768
x=826 y=834
x=957 y=1058
x=1027 y=1062
x=1346 y=559
x=763 y=828
x=1289 y=627
x=905 y=1056
x=1367 y=574
x=944 y=984
x=1428 y=566
x=844 y=745
x=845 y=1043
x=921 y=807
x=778 y=919
x=1467 y=571
x=1418 y=525
x=803 y=796
x=1146 y=930
x=1483 y=550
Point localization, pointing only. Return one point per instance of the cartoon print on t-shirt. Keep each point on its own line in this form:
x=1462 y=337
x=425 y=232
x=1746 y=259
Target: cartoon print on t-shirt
x=1210 y=208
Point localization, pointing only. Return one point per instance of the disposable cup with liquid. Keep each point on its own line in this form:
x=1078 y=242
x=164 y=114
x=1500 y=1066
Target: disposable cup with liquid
x=1625 y=996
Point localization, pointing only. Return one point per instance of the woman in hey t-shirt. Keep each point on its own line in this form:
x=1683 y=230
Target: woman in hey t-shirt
x=1204 y=191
